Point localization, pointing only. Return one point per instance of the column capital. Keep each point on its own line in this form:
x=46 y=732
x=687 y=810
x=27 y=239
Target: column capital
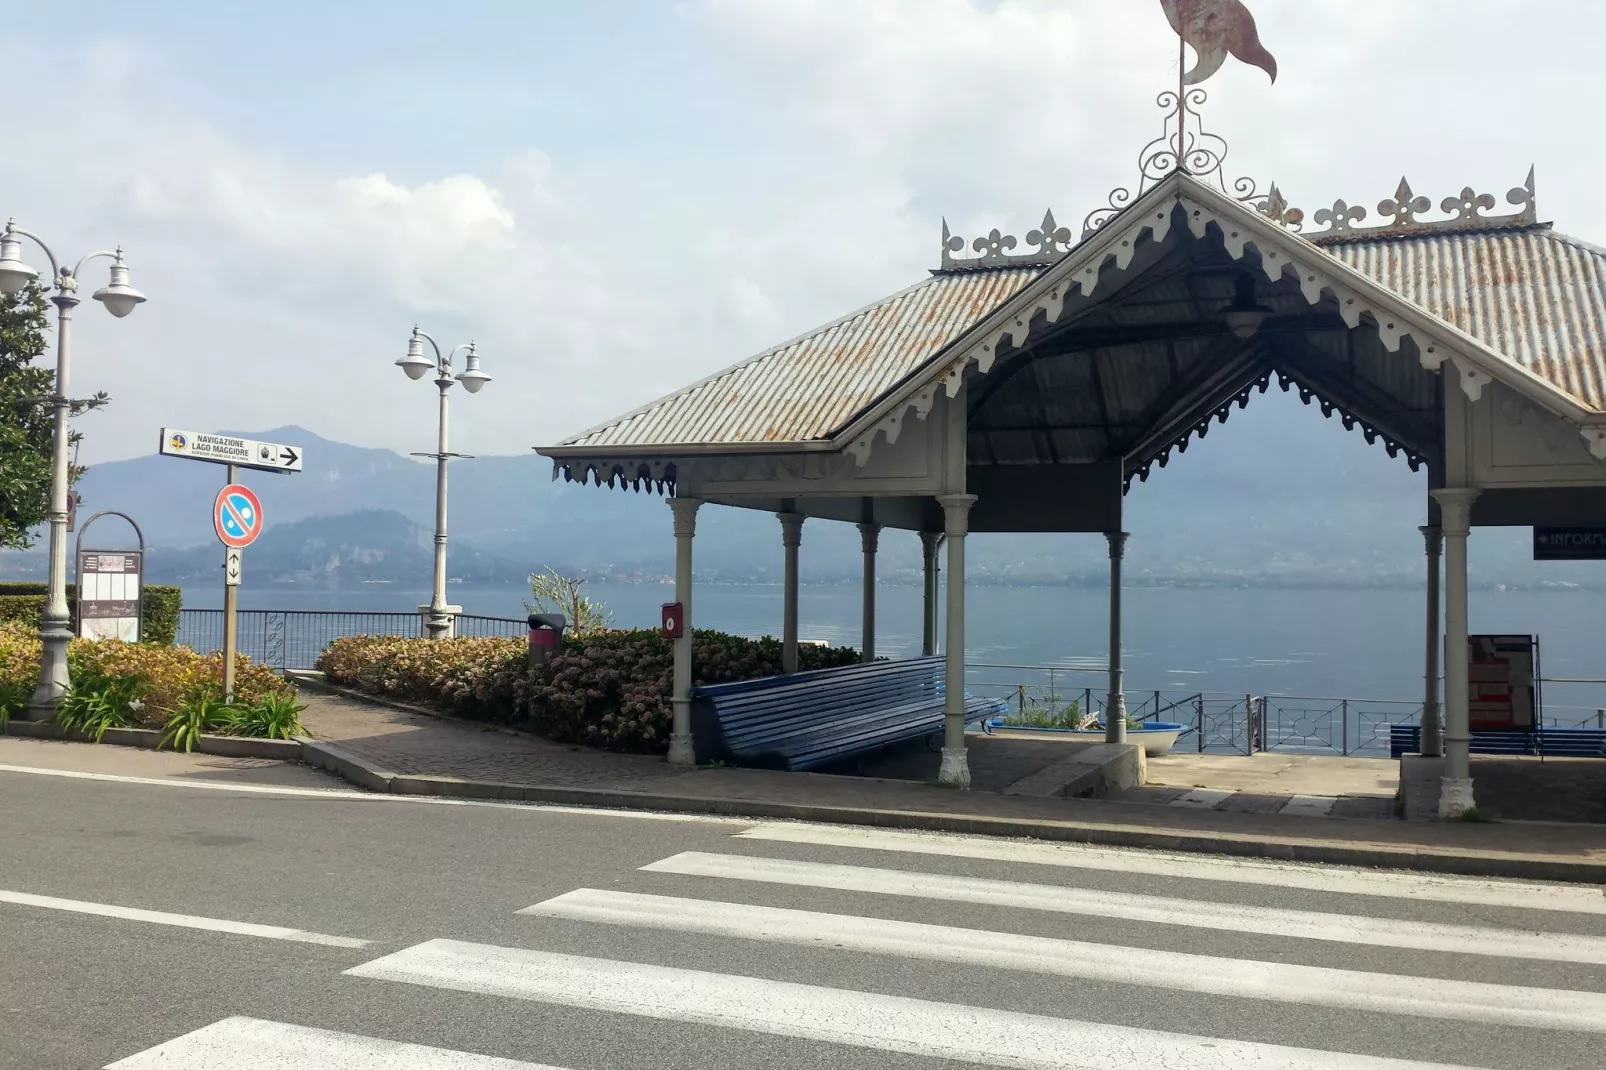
x=929 y=541
x=685 y=510
x=1455 y=503
x=1117 y=541
x=869 y=537
x=791 y=528
x=1433 y=536
x=956 y=513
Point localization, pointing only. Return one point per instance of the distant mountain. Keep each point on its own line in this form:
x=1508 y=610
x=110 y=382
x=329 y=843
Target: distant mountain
x=368 y=546
x=1278 y=497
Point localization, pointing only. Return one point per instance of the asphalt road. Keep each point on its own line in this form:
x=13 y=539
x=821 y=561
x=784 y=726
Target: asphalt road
x=400 y=943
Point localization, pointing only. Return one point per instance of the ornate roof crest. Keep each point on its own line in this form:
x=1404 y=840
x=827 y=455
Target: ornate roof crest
x=1402 y=214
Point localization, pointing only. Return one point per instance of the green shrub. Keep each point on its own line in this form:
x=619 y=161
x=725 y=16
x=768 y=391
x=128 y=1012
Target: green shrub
x=606 y=689
x=159 y=608
x=167 y=675
x=94 y=703
x=198 y=713
x=270 y=717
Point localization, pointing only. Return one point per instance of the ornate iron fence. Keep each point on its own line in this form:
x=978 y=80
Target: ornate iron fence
x=293 y=638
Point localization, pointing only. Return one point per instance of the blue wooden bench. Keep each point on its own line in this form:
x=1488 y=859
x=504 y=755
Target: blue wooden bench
x=807 y=719
x=1552 y=742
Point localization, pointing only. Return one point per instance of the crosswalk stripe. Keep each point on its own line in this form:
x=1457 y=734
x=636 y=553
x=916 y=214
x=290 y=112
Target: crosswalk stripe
x=254 y=1044
x=1386 y=993
x=1308 y=925
x=1583 y=899
x=183 y=921
x=861 y=1019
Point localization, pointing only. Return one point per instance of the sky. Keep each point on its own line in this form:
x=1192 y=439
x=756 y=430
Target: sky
x=617 y=197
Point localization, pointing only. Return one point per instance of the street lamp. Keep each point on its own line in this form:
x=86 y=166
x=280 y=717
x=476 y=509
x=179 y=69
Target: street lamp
x=119 y=299
x=417 y=365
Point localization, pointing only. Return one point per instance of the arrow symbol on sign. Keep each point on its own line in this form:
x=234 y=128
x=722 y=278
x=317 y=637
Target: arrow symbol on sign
x=290 y=456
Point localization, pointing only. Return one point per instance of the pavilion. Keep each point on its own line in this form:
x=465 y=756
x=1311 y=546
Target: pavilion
x=1026 y=391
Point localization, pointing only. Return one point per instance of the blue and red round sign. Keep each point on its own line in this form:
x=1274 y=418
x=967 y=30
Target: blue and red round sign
x=237 y=516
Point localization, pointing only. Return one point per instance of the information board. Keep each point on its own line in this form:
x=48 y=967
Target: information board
x=1500 y=682
x=110 y=587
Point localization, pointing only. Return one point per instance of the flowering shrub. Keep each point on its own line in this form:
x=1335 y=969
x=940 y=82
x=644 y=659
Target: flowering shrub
x=167 y=675
x=607 y=689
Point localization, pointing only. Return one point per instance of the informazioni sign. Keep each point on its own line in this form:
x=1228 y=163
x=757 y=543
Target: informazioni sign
x=1570 y=544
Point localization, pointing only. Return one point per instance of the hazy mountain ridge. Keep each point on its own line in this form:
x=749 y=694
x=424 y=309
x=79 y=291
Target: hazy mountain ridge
x=1272 y=499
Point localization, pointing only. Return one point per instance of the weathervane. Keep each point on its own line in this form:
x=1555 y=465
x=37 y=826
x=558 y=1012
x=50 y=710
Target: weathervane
x=1215 y=29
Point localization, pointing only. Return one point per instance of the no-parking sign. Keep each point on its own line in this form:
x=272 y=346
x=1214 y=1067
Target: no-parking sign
x=237 y=516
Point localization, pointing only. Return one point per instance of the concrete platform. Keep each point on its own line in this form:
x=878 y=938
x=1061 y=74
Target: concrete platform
x=1277 y=774
x=1513 y=788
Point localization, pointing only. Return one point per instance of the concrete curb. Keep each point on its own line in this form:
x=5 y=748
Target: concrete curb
x=1371 y=855
x=147 y=739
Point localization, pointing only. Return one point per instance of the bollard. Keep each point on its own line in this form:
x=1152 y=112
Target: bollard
x=546 y=636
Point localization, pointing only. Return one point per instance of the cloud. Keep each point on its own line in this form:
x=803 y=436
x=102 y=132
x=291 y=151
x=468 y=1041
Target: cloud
x=282 y=286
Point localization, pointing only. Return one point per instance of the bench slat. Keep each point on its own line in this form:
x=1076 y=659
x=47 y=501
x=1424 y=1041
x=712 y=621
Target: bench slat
x=806 y=719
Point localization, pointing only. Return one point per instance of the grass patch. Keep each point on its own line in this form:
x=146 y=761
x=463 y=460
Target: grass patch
x=1477 y=815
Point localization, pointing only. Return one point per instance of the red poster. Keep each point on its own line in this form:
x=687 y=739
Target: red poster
x=1500 y=682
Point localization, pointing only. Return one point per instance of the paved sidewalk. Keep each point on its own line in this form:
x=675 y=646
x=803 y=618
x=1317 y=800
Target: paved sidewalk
x=425 y=754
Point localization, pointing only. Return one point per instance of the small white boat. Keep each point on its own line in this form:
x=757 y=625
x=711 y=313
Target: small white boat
x=1157 y=737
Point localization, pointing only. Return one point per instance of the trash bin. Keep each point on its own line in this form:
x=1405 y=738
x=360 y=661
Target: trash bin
x=546 y=636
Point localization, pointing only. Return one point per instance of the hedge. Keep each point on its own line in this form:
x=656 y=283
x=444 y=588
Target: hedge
x=607 y=689
x=159 y=608
x=168 y=674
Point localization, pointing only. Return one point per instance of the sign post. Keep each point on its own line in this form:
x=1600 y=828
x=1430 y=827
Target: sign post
x=236 y=513
x=237 y=518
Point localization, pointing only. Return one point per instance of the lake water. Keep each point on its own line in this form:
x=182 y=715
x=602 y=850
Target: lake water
x=1340 y=644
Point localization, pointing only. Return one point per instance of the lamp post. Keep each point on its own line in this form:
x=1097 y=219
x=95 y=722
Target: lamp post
x=119 y=298
x=417 y=365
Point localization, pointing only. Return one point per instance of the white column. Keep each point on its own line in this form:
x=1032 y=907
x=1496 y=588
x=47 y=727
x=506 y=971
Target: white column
x=928 y=558
x=1115 y=706
x=680 y=742
x=955 y=769
x=869 y=540
x=1432 y=740
x=1455 y=789
x=791 y=539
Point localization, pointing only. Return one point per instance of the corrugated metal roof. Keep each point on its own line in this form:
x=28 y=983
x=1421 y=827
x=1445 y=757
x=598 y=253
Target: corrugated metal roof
x=1535 y=296
x=809 y=387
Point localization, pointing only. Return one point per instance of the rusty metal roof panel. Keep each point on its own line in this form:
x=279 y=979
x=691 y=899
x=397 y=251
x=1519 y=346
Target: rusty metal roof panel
x=808 y=388
x=1535 y=296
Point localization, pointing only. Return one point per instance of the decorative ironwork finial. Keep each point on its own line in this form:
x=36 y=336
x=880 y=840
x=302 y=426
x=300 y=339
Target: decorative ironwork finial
x=1402 y=214
x=1052 y=241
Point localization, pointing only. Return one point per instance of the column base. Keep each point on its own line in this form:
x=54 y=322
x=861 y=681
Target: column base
x=1455 y=797
x=955 y=769
x=680 y=749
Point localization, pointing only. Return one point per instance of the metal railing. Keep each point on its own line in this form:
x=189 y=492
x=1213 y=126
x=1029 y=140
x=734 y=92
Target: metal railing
x=1234 y=723
x=293 y=638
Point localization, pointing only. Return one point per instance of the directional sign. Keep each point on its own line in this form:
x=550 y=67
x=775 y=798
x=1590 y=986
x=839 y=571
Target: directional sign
x=1569 y=544
x=237 y=516
x=231 y=568
x=226 y=449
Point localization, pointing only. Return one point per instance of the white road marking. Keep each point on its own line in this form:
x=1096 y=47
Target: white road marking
x=1425 y=997
x=1309 y=805
x=183 y=921
x=1203 y=798
x=254 y=1044
x=348 y=795
x=1199 y=914
x=1339 y=880
x=861 y=1019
